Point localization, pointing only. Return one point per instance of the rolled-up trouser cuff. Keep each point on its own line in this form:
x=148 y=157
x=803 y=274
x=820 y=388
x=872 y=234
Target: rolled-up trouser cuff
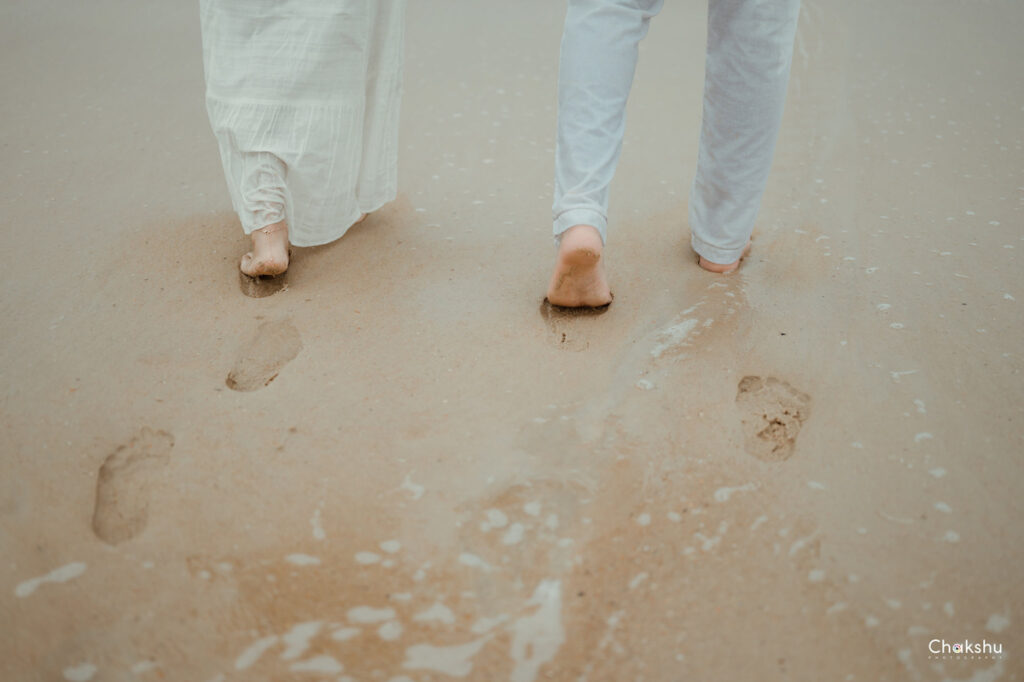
x=716 y=254
x=580 y=216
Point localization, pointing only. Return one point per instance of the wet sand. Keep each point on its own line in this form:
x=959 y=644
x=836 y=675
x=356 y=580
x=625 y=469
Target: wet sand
x=399 y=468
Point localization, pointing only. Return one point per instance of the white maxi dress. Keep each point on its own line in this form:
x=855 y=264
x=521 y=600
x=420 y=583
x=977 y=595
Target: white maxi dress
x=303 y=98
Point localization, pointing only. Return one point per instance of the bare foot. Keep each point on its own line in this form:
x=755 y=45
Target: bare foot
x=727 y=268
x=578 y=280
x=269 y=255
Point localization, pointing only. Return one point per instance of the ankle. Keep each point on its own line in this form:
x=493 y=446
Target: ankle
x=272 y=228
x=720 y=268
x=582 y=236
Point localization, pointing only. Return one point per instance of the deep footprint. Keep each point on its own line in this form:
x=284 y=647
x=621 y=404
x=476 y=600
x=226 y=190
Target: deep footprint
x=272 y=346
x=122 y=486
x=566 y=324
x=772 y=413
x=263 y=285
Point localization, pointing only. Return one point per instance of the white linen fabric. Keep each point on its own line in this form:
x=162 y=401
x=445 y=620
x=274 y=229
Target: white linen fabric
x=749 y=52
x=303 y=97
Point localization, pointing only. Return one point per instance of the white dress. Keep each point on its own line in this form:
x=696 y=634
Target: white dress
x=303 y=97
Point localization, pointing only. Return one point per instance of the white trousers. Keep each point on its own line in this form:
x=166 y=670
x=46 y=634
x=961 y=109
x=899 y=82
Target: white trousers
x=749 y=51
x=303 y=98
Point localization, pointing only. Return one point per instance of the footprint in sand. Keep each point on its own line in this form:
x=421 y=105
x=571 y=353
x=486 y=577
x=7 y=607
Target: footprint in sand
x=122 y=486
x=263 y=285
x=569 y=326
x=271 y=347
x=772 y=413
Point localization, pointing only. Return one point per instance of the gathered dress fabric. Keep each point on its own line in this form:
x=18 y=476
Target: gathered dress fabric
x=303 y=97
x=749 y=52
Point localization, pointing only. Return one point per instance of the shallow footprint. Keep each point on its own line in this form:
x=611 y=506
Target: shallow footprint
x=771 y=412
x=567 y=324
x=122 y=485
x=271 y=347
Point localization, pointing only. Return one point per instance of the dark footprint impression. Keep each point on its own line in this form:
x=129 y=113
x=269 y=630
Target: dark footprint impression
x=122 y=485
x=271 y=347
x=568 y=325
x=771 y=412
x=262 y=286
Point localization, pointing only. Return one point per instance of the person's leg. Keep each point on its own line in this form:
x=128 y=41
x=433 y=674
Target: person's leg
x=289 y=87
x=261 y=208
x=750 y=48
x=269 y=255
x=255 y=175
x=598 y=58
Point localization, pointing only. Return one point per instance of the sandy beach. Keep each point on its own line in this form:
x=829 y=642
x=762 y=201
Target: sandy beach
x=402 y=467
